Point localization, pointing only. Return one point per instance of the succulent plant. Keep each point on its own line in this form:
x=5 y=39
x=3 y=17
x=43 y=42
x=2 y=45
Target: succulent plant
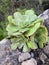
x=25 y=29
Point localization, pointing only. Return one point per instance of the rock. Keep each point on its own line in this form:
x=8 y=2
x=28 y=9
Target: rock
x=11 y=59
x=32 y=54
x=46 y=50
x=43 y=57
x=29 y=62
x=4 y=47
x=39 y=62
x=24 y=56
x=5 y=42
x=45 y=15
x=46 y=12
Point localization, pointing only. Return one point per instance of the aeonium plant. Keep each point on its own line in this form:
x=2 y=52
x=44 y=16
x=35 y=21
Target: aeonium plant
x=26 y=30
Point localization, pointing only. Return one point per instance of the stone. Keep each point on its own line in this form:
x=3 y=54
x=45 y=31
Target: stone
x=32 y=61
x=32 y=54
x=46 y=50
x=46 y=12
x=39 y=62
x=24 y=56
x=43 y=57
x=5 y=42
x=4 y=47
x=10 y=59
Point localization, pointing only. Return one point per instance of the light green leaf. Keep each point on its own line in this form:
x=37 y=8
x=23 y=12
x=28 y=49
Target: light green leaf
x=32 y=45
x=14 y=46
x=41 y=36
x=32 y=29
x=18 y=17
x=21 y=45
x=41 y=45
x=16 y=33
x=15 y=43
x=25 y=48
x=30 y=16
x=23 y=30
x=11 y=28
x=11 y=20
x=38 y=20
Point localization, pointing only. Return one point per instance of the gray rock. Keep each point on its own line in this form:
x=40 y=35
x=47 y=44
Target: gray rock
x=45 y=15
x=43 y=57
x=10 y=59
x=5 y=42
x=4 y=46
x=46 y=50
x=29 y=62
x=24 y=56
x=46 y=12
x=32 y=54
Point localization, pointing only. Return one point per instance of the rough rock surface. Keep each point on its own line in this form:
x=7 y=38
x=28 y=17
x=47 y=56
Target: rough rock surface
x=10 y=59
x=7 y=56
x=46 y=50
x=24 y=56
x=30 y=62
x=4 y=47
x=43 y=57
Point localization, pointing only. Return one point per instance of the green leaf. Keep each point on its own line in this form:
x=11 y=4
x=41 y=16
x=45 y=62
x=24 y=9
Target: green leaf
x=30 y=16
x=13 y=46
x=21 y=45
x=16 y=33
x=11 y=20
x=25 y=48
x=18 y=18
x=11 y=28
x=23 y=20
x=41 y=36
x=23 y=30
x=32 y=45
x=38 y=20
x=32 y=29
x=41 y=45
x=15 y=42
